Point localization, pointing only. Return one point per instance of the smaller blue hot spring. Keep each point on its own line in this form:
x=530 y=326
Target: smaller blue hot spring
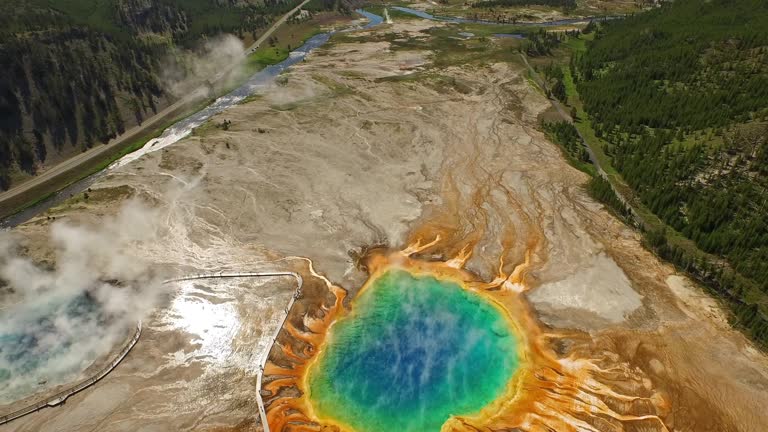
x=49 y=343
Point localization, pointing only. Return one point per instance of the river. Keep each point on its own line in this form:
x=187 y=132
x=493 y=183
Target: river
x=254 y=85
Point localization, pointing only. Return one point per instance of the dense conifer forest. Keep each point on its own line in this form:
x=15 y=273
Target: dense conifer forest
x=565 y=134
x=680 y=97
x=78 y=72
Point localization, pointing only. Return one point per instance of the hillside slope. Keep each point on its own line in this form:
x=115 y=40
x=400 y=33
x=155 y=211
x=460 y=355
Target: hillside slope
x=680 y=97
x=80 y=72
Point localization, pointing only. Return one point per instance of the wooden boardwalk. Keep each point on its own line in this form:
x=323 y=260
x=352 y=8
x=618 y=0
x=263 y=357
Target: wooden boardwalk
x=60 y=397
x=265 y=354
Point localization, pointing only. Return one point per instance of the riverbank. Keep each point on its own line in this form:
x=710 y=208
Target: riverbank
x=45 y=186
x=59 y=177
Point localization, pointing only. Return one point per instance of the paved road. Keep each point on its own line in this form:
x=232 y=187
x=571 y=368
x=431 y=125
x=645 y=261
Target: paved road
x=567 y=117
x=274 y=27
x=194 y=96
x=98 y=150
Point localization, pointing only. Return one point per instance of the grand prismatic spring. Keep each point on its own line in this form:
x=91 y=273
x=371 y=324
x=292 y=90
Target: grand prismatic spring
x=414 y=350
x=425 y=346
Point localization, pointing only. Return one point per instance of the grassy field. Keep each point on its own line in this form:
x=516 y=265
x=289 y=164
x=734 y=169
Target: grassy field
x=395 y=14
x=289 y=37
x=534 y=12
x=448 y=46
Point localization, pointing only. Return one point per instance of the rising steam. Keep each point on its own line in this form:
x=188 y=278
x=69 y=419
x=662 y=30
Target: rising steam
x=182 y=71
x=97 y=288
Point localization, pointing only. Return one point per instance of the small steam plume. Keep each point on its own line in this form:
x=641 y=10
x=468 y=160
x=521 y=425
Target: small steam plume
x=62 y=318
x=182 y=71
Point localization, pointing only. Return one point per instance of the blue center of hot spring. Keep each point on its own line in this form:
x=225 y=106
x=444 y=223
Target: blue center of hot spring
x=414 y=351
x=41 y=344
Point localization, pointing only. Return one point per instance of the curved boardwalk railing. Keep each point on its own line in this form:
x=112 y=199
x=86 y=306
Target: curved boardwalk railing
x=60 y=397
x=264 y=355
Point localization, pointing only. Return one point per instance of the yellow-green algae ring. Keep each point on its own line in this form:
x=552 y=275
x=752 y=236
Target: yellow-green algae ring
x=415 y=351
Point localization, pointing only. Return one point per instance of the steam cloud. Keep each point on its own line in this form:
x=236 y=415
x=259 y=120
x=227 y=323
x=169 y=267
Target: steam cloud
x=69 y=315
x=182 y=71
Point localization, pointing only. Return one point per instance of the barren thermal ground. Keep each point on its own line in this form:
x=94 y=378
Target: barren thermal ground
x=456 y=274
